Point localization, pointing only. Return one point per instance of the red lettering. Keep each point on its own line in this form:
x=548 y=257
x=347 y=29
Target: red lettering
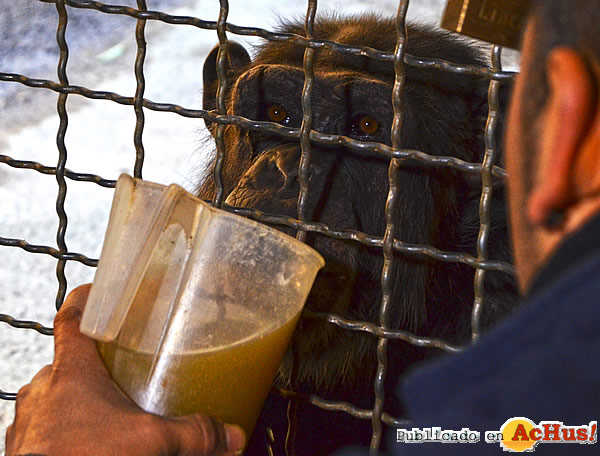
x=582 y=434
x=535 y=434
x=520 y=432
x=568 y=434
x=555 y=431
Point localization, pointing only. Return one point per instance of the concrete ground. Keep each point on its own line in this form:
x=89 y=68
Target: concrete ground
x=100 y=138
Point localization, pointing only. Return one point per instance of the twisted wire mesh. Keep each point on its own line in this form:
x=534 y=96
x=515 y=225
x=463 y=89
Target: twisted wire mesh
x=387 y=274
x=139 y=92
x=486 y=192
x=222 y=57
x=61 y=107
x=306 y=136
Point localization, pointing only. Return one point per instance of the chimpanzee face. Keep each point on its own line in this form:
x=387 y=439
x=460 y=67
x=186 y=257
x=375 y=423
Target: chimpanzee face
x=443 y=114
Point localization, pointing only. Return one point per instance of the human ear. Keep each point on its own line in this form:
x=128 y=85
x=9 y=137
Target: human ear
x=565 y=128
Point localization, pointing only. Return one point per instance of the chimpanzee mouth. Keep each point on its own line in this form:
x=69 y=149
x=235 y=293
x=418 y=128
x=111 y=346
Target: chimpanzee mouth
x=330 y=292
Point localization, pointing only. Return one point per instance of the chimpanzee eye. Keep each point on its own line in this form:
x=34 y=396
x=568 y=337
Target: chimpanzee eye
x=278 y=113
x=365 y=125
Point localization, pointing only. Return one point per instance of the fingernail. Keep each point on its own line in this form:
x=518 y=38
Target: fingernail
x=236 y=438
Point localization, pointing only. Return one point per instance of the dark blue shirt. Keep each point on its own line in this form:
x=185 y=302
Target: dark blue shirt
x=543 y=363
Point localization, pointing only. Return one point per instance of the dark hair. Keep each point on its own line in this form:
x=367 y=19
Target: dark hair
x=572 y=23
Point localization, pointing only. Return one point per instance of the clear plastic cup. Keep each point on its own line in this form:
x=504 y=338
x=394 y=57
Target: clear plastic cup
x=193 y=307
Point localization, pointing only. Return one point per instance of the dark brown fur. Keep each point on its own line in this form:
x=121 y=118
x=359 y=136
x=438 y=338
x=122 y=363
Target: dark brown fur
x=444 y=114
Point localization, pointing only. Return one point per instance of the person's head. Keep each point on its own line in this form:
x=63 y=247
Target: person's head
x=553 y=133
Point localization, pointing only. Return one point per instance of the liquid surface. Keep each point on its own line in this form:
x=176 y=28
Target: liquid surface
x=230 y=382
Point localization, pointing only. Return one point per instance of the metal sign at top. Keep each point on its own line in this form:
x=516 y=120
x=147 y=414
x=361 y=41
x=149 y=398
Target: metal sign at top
x=497 y=21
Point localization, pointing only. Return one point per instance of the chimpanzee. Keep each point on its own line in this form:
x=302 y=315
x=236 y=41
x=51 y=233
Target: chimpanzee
x=444 y=114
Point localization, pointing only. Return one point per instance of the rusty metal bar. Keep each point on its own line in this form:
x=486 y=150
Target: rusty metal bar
x=365 y=326
x=387 y=278
x=307 y=117
x=373 y=241
x=81 y=177
x=315 y=227
x=486 y=193
x=261 y=126
x=338 y=406
x=26 y=324
x=139 y=91
x=303 y=167
x=58 y=254
x=297 y=39
x=61 y=108
x=7 y=396
x=222 y=60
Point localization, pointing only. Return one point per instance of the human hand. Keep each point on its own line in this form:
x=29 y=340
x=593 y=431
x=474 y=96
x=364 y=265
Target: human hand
x=72 y=407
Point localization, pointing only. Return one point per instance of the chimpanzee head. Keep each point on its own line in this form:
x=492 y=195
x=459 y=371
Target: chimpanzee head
x=444 y=114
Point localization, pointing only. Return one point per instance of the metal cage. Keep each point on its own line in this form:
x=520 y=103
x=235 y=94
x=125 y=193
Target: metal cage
x=306 y=136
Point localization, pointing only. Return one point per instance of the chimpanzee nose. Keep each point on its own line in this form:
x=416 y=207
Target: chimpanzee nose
x=287 y=160
x=277 y=169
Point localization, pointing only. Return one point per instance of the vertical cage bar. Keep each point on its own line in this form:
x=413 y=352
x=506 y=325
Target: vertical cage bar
x=307 y=116
x=303 y=167
x=387 y=284
x=222 y=60
x=486 y=192
x=138 y=102
x=61 y=107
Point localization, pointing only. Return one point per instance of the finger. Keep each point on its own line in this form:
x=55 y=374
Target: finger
x=9 y=439
x=41 y=375
x=67 y=336
x=201 y=435
x=77 y=297
x=24 y=391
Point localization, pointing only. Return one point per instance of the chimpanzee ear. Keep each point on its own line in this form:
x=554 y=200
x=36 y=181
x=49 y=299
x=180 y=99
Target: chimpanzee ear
x=238 y=59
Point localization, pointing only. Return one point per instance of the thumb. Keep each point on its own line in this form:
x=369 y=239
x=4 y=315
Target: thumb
x=201 y=435
x=66 y=328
